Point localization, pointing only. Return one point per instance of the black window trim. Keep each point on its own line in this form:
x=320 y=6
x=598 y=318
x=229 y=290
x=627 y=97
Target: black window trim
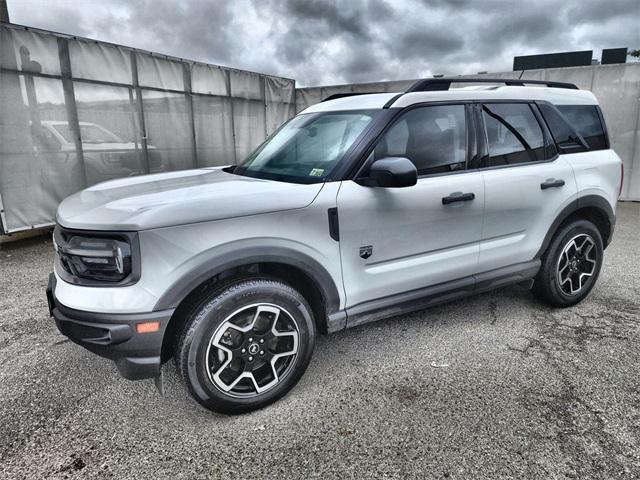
x=607 y=143
x=549 y=142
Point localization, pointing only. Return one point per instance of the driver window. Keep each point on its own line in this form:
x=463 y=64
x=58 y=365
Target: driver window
x=433 y=138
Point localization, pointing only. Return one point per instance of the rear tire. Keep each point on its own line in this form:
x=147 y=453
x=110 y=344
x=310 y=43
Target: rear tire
x=245 y=346
x=570 y=266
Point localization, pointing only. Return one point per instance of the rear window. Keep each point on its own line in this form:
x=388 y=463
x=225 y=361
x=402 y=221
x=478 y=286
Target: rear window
x=586 y=120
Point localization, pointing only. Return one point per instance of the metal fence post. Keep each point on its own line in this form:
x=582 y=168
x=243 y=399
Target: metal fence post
x=186 y=73
x=143 y=128
x=233 y=121
x=263 y=92
x=70 y=104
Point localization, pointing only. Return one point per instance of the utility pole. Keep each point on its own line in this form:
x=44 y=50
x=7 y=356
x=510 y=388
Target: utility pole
x=4 y=11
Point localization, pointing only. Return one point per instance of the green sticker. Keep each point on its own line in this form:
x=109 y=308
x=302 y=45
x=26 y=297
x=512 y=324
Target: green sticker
x=316 y=172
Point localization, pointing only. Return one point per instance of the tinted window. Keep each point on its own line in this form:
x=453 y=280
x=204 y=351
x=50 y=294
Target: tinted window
x=564 y=135
x=513 y=134
x=585 y=119
x=433 y=138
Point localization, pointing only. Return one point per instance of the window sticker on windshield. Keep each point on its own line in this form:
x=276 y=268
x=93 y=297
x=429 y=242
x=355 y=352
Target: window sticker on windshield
x=316 y=172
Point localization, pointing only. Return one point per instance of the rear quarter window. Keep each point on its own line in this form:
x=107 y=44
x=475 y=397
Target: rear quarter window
x=586 y=120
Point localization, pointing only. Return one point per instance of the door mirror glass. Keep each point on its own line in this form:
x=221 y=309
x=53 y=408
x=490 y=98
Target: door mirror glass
x=392 y=172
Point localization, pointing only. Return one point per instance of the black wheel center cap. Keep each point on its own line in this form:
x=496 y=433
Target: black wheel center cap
x=254 y=348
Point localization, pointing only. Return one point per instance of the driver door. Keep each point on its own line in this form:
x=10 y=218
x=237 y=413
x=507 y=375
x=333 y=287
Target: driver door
x=399 y=240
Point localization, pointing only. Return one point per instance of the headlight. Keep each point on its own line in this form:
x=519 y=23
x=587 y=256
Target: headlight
x=90 y=258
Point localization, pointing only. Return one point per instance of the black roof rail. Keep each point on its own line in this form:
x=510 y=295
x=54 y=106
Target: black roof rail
x=348 y=94
x=440 y=84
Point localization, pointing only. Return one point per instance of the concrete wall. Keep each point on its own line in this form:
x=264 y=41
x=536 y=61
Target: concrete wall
x=616 y=86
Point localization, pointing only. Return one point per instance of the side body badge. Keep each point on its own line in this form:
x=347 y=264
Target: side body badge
x=366 y=251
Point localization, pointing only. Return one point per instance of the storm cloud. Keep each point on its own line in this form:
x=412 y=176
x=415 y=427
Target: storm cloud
x=320 y=42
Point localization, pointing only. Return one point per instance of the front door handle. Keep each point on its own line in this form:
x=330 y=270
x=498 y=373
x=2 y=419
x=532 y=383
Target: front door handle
x=551 y=183
x=458 y=197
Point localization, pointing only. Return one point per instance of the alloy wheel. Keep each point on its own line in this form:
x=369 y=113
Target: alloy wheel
x=577 y=263
x=252 y=350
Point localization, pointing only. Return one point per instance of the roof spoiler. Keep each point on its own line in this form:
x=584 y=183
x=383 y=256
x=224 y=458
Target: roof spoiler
x=440 y=84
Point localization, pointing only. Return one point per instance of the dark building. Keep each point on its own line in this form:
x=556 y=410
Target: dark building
x=553 y=60
x=614 y=55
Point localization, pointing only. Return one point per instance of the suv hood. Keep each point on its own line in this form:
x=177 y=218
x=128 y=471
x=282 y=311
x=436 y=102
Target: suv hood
x=178 y=198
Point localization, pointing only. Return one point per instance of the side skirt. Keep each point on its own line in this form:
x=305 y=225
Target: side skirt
x=422 y=298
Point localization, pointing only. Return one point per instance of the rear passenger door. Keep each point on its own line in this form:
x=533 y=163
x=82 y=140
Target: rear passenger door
x=527 y=183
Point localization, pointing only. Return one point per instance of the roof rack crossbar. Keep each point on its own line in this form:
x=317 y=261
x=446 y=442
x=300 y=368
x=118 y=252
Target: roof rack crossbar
x=440 y=84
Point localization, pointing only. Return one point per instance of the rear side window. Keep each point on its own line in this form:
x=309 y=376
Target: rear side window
x=513 y=134
x=586 y=120
x=433 y=138
x=565 y=136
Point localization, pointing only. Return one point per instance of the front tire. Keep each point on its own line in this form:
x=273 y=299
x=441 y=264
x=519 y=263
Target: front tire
x=570 y=266
x=246 y=346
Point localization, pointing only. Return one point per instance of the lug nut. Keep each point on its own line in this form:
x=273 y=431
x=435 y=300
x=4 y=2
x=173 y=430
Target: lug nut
x=262 y=340
x=244 y=350
x=261 y=352
x=251 y=359
x=251 y=340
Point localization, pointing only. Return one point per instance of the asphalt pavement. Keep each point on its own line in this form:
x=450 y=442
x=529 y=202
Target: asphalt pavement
x=494 y=386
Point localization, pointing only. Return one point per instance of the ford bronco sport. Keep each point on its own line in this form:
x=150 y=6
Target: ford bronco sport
x=357 y=209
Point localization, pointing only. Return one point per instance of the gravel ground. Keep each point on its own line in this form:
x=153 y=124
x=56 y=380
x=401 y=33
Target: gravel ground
x=489 y=387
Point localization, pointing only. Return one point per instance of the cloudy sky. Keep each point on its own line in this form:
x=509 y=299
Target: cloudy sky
x=320 y=42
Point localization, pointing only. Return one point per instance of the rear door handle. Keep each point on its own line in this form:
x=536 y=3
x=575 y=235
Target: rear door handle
x=551 y=183
x=458 y=197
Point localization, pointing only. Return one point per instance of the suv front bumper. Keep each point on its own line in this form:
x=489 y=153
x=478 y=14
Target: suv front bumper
x=113 y=336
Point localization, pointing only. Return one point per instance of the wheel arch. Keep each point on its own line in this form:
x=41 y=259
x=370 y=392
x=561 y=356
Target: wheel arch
x=298 y=270
x=594 y=208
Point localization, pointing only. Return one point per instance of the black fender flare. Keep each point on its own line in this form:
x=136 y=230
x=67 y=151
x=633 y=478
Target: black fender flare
x=182 y=287
x=594 y=201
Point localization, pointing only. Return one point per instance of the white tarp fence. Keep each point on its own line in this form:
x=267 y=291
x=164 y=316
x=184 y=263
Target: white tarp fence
x=75 y=112
x=617 y=88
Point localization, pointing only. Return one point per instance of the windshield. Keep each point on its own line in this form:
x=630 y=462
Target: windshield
x=307 y=148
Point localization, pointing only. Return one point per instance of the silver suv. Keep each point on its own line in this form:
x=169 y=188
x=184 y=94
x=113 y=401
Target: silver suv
x=359 y=208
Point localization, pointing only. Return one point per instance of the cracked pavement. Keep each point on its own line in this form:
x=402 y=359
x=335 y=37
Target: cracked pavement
x=494 y=386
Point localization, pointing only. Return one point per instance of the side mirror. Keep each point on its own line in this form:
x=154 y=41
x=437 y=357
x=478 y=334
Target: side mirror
x=391 y=172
